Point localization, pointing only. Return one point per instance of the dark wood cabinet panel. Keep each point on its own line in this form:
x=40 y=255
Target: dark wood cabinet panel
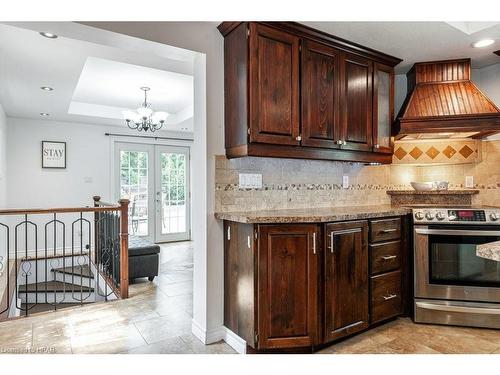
x=346 y=279
x=383 y=108
x=320 y=95
x=386 y=296
x=239 y=276
x=385 y=229
x=385 y=256
x=288 y=285
x=274 y=86
x=356 y=102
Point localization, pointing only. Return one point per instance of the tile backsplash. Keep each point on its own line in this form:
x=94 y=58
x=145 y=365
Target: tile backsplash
x=290 y=183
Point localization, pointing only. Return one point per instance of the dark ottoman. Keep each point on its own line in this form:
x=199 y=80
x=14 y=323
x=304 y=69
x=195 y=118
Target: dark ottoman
x=143 y=258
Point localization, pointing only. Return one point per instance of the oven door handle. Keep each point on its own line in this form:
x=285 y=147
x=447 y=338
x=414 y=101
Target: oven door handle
x=460 y=309
x=459 y=232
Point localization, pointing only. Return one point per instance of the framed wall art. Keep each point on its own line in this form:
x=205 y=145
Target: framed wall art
x=53 y=154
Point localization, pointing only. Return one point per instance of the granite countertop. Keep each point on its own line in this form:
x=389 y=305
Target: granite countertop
x=489 y=251
x=313 y=215
x=434 y=192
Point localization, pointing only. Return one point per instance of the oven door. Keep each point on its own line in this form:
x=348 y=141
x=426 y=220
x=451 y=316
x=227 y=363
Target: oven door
x=447 y=267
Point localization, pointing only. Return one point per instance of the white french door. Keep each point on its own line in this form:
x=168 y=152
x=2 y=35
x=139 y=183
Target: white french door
x=172 y=193
x=155 y=178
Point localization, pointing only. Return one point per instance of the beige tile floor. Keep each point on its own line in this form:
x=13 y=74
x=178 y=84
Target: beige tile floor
x=157 y=319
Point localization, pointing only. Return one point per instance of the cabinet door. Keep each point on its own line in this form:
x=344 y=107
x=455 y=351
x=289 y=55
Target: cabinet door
x=287 y=285
x=383 y=108
x=274 y=86
x=346 y=279
x=319 y=91
x=357 y=103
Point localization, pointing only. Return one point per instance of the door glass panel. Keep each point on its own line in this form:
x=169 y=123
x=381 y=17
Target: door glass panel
x=173 y=208
x=384 y=109
x=453 y=261
x=134 y=186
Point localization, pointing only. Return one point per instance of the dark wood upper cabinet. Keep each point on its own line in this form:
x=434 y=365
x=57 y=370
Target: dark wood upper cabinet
x=383 y=108
x=274 y=86
x=294 y=92
x=346 y=282
x=288 y=285
x=357 y=103
x=320 y=95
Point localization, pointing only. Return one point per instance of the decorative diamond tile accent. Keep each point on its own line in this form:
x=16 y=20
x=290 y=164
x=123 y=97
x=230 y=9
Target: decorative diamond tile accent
x=432 y=152
x=400 y=153
x=449 y=152
x=466 y=151
x=416 y=153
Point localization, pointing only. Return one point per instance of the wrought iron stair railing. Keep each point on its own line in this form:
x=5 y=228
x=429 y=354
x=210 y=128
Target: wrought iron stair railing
x=57 y=256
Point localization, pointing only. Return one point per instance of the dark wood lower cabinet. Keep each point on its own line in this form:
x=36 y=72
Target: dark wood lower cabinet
x=346 y=279
x=297 y=286
x=288 y=286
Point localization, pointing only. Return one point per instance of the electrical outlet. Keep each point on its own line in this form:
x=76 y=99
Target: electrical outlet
x=469 y=181
x=250 y=181
x=345 y=182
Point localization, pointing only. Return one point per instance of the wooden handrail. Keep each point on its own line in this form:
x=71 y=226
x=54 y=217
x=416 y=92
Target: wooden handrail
x=33 y=211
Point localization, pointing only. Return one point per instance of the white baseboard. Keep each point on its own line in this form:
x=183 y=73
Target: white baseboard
x=218 y=334
x=234 y=341
x=207 y=337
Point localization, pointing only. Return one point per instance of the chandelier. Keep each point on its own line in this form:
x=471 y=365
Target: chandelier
x=145 y=118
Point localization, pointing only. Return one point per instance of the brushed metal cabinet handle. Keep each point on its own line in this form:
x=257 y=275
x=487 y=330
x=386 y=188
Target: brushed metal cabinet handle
x=228 y=232
x=389 y=230
x=314 y=243
x=331 y=242
x=389 y=257
x=389 y=297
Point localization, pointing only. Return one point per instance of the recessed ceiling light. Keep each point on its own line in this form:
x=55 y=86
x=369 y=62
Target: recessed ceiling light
x=44 y=114
x=483 y=43
x=48 y=35
x=47 y=88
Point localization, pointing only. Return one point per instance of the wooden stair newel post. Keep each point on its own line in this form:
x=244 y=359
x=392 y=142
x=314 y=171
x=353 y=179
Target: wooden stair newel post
x=124 y=248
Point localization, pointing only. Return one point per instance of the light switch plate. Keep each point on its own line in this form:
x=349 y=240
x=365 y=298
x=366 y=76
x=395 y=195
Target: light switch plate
x=250 y=181
x=345 y=182
x=469 y=181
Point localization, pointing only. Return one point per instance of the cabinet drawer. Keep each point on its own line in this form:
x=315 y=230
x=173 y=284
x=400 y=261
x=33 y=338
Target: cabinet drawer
x=385 y=229
x=386 y=296
x=385 y=257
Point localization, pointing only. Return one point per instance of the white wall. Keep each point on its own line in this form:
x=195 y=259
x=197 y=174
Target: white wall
x=3 y=158
x=88 y=170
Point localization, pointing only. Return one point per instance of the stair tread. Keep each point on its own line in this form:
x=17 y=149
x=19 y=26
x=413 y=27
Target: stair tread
x=53 y=286
x=84 y=271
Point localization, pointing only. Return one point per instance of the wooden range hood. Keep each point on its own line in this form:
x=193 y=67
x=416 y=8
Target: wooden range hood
x=442 y=100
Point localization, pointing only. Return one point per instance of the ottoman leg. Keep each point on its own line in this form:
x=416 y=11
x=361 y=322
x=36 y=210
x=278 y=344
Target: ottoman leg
x=151 y=278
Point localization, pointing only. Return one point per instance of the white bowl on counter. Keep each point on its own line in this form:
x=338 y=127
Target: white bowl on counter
x=431 y=185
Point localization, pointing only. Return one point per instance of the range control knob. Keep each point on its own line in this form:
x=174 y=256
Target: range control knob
x=419 y=215
x=494 y=216
x=429 y=215
x=440 y=216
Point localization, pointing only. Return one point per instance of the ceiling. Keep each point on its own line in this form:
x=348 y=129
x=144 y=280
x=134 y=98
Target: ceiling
x=421 y=41
x=92 y=83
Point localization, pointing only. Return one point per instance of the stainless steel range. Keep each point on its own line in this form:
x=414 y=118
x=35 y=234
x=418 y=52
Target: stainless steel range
x=453 y=285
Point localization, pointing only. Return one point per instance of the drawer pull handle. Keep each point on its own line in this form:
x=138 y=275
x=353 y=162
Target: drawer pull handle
x=389 y=257
x=389 y=230
x=389 y=297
